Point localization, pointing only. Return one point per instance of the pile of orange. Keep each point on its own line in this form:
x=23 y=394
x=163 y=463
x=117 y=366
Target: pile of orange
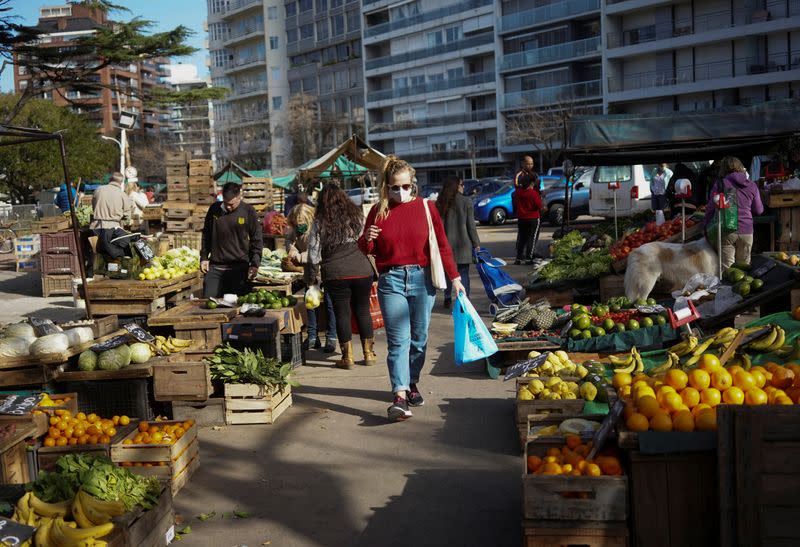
x=687 y=401
x=571 y=460
x=80 y=429
x=163 y=433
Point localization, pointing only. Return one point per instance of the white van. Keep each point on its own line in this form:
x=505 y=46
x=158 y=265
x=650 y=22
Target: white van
x=633 y=194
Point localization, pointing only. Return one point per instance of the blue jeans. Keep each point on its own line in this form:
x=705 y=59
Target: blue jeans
x=463 y=271
x=312 y=322
x=406 y=296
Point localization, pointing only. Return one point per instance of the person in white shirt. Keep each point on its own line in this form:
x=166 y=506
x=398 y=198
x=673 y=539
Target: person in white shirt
x=658 y=191
x=138 y=200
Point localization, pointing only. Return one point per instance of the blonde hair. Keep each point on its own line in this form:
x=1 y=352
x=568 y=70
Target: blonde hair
x=391 y=167
x=730 y=164
x=301 y=214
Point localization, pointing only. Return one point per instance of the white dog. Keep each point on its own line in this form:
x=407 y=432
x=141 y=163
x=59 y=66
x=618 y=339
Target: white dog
x=671 y=262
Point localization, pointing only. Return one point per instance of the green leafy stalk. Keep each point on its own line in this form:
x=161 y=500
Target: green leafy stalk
x=233 y=366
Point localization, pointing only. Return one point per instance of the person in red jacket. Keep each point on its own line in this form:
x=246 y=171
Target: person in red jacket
x=527 y=203
x=396 y=234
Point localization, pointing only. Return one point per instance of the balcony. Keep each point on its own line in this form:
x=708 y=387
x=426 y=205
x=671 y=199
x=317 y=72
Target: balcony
x=245 y=63
x=243 y=92
x=551 y=54
x=431 y=87
x=546 y=14
x=451 y=155
x=239 y=6
x=458 y=45
x=704 y=23
x=556 y=94
x=243 y=34
x=426 y=17
x=729 y=69
x=434 y=121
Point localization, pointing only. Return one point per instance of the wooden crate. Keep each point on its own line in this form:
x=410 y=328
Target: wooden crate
x=179 y=226
x=191 y=320
x=202 y=168
x=783 y=199
x=177 y=157
x=254 y=404
x=70 y=405
x=176 y=170
x=50 y=225
x=177 y=179
x=548 y=533
x=56 y=285
x=60 y=263
x=566 y=498
x=177 y=187
x=139 y=528
x=789 y=222
x=759 y=474
x=182 y=378
x=59 y=242
x=38 y=421
x=535 y=420
x=152 y=212
x=178 y=196
x=205 y=200
x=178 y=210
x=135 y=297
x=563 y=407
x=208 y=413
x=13 y=456
x=47 y=456
x=170 y=463
x=200 y=181
x=193 y=240
x=674 y=499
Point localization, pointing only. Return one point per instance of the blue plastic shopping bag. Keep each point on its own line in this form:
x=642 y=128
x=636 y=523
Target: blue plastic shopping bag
x=472 y=339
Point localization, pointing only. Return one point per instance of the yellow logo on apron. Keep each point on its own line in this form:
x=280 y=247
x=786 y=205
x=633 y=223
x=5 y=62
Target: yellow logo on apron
x=241 y=220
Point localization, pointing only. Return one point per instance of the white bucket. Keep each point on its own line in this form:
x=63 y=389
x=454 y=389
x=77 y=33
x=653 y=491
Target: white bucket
x=77 y=301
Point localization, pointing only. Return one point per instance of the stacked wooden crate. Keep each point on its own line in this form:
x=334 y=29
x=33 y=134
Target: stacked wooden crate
x=27 y=250
x=178 y=215
x=257 y=192
x=198 y=217
x=177 y=176
x=202 y=189
x=59 y=263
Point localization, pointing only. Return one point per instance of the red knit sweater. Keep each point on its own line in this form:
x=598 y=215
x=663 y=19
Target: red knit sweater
x=527 y=202
x=403 y=240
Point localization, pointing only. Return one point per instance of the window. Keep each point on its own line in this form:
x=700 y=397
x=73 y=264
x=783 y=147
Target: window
x=277 y=102
x=272 y=13
x=291 y=36
x=275 y=73
x=452 y=34
x=338 y=24
x=400 y=83
x=406 y=10
x=305 y=5
x=356 y=49
x=353 y=20
x=322 y=30
x=219 y=31
x=438 y=147
x=336 y=3
x=329 y=55
x=436 y=77
x=307 y=31
x=220 y=58
x=343 y=52
x=220 y=82
x=295 y=87
x=455 y=73
x=417 y=81
x=326 y=83
x=435 y=38
x=309 y=84
x=355 y=76
x=291 y=9
x=274 y=42
x=340 y=80
x=218 y=6
x=322 y=6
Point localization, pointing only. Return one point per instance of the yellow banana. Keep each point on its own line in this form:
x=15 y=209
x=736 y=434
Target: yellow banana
x=113 y=508
x=50 y=510
x=685 y=347
x=701 y=348
x=181 y=342
x=24 y=507
x=692 y=360
x=62 y=534
x=621 y=361
x=761 y=344
x=80 y=514
x=42 y=536
x=779 y=341
x=747 y=363
x=662 y=368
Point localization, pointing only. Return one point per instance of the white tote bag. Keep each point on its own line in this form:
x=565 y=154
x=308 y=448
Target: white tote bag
x=437 y=268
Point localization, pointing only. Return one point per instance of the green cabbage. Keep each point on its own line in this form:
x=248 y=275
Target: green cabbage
x=87 y=360
x=124 y=353
x=140 y=353
x=110 y=359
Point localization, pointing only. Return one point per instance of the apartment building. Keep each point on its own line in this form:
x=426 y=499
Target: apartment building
x=431 y=83
x=122 y=86
x=192 y=124
x=323 y=41
x=691 y=55
x=247 y=47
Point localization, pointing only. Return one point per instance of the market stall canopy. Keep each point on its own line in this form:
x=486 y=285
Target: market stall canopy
x=355 y=150
x=233 y=172
x=654 y=138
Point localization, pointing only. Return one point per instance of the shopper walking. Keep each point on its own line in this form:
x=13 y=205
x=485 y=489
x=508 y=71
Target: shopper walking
x=300 y=220
x=344 y=270
x=397 y=235
x=659 y=180
x=527 y=203
x=459 y=224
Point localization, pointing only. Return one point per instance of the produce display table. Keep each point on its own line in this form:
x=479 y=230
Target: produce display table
x=692 y=232
x=144 y=370
x=135 y=297
x=285 y=287
x=274 y=242
x=140 y=528
x=192 y=320
x=13 y=459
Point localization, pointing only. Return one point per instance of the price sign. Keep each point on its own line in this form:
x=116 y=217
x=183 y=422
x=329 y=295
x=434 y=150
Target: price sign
x=601 y=435
x=139 y=333
x=522 y=367
x=16 y=405
x=43 y=327
x=13 y=533
x=111 y=343
x=614 y=185
x=144 y=250
x=651 y=309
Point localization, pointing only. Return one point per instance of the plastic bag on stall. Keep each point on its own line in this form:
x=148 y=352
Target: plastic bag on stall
x=472 y=339
x=313 y=297
x=725 y=300
x=698 y=286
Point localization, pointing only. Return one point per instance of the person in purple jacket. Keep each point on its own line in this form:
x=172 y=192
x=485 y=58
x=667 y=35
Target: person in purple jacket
x=736 y=247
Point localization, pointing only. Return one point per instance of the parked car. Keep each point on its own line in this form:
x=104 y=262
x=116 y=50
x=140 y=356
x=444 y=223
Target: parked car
x=553 y=198
x=484 y=187
x=633 y=195
x=495 y=207
x=363 y=196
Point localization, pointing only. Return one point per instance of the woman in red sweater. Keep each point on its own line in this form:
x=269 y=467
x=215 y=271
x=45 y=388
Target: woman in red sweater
x=527 y=204
x=396 y=234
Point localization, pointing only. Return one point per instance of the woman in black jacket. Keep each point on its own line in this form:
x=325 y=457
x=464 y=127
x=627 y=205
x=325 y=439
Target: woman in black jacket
x=458 y=215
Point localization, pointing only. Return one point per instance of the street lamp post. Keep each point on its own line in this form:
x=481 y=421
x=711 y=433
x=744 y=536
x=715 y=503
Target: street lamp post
x=121 y=143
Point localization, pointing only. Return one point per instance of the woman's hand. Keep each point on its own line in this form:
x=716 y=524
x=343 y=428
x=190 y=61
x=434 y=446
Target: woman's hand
x=459 y=287
x=372 y=233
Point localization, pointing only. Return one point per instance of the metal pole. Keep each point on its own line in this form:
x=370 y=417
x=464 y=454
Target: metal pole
x=75 y=230
x=719 y=237
x=123 y=144
x=616 y=226
x=683 y=220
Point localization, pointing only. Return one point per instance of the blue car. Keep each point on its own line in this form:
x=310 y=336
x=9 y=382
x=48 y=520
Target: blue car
x=553 y=199
x=495 y=207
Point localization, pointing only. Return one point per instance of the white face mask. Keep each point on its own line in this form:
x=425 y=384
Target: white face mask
x=401 y=196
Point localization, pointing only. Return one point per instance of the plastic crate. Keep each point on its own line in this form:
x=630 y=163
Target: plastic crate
x=60 y=263
x=28 y=265
x=27 y=245
x=59 y=242
x=292 y=349
x=108 y=398
x=56 y=284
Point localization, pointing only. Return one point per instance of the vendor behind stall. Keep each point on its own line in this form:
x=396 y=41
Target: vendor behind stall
x=232 y=244
x=111 y=206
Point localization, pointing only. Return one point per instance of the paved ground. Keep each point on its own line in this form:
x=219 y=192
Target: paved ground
x=333 y=472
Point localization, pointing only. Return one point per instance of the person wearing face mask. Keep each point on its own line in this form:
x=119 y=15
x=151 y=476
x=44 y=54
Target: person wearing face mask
x=396 y=234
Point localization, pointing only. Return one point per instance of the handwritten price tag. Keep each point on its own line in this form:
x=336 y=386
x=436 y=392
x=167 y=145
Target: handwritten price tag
x=16 y=405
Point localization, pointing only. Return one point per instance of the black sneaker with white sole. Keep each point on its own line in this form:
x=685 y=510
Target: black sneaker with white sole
x=414 y=396
x=399 y=411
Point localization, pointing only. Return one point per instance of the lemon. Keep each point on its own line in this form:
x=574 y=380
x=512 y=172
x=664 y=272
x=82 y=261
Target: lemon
x=142 y=276
x=524 y=395
x=166 y=275
x=151 y=276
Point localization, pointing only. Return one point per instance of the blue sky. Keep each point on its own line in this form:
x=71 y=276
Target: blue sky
x=165 y=14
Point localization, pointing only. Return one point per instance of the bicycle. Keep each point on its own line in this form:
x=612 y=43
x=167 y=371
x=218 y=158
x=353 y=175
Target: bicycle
x=7 y=237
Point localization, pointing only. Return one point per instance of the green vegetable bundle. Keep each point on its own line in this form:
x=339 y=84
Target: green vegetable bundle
x=569 y=264
x=233 y=366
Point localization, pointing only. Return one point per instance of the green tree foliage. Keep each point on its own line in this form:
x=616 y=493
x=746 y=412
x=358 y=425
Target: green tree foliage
x=34 y=166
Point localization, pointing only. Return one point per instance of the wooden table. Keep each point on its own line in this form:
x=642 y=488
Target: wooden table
x=135 y=297
x=192 y=320
x=144 y=370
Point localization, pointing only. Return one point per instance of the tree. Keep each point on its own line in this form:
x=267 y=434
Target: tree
x=34 y=166
x=147 y=155
x=304 y=127
x=54 y=69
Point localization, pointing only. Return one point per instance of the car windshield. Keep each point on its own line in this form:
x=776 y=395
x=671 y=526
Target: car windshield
x=613 y=173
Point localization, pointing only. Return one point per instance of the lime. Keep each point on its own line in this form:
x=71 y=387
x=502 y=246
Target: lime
x=651 y=301
x=241 y=300
x=292 y=300
x=661 y=320
x=582 y=322
x=599 y=311
x=284 y=302
x=211 y=305
x=647 y=322
x=608 y=324
x=742 y=288
x=633 y=324
x=574 y=333
x=757 y=284
x=619 y=327
x=586 y=334
x=640 y=302
x=748 y=279
x=275 y=305
x=615 y=308
x=599 y=331
x=734 y=275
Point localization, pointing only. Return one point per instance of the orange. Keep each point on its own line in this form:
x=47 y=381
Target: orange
x=576 y=473
x=92 y=430
x=115 y=420
x=68 y=432
x=62 y=425
x=593 y=470
x=573 y=441
x=83 y=439
x=624 y=391
x=774 y=394
x=73 y=441
x=93 y=439
x=124 y=420
x=92 y=418
x=555 y=452
x=79 y=430
x=783 y=400
x=637 y=422
x=153 y=429
x=699 y=408
x=676 y=378
x=54 y=432
x=534 y=463
x=551 y=469
x=755 y=396
x=143 y=426
x=796 y=313
x=104 y=439
x=49 y=441
x=157 y=437
x=61 y=441
x=683 y=421
x=565 y=469
x=706 y=420
x=690 y=396
x=54 y=420
x=621 y=379
x=733 y=396
x=648 y=405
x=642 y=391
x=661 y=422
x=699 y=379
x=629 y=409
x=734 y=369
x=662 y=391
x=110 y=431
x=760 y=378
x=80 y=416
x=721 y=379
x=130 y=441
x=138 y=438
x=710 y=396
x=188 y=423
x=672 y=401
x=179 y=432
x=744 y=380
x=782 y=378
x=708 y=362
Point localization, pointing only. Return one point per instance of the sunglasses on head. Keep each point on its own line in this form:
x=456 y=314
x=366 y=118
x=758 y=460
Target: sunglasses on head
x=397 y=188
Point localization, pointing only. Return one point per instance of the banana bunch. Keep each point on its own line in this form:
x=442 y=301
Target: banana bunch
x=90 y=511
x=631 y=363
x=772 y=340
x=724 y=337
x=672 y=361
x=58 y=533
x=30 y=509
x=685 y=347
x=166 y=346
x=742 y=360
x=790 y=352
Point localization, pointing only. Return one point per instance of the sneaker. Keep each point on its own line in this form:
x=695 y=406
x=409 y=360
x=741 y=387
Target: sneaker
x=330 y=346
x=399 y=412
x=415 y=397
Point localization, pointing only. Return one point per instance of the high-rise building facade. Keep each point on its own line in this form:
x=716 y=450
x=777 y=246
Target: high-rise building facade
x=247 y=47
x=431 y=83
x=122 y=86
x=191 y=126
x=324 y=46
